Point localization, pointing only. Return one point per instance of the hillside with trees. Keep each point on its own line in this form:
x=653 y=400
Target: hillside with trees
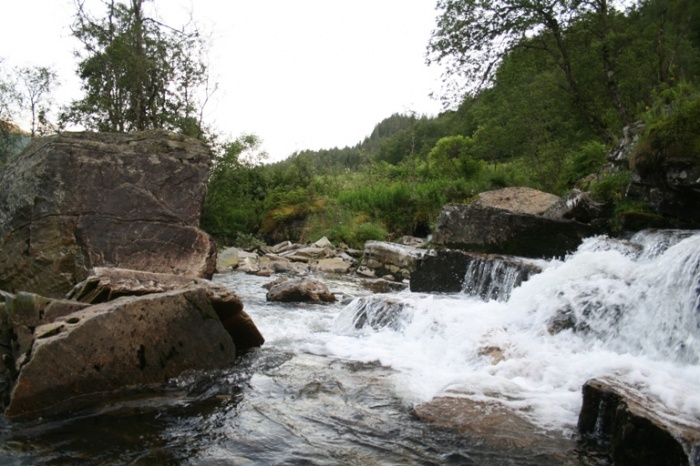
x=538 y=93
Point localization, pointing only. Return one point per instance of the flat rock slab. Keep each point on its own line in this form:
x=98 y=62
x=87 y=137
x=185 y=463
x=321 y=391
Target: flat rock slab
x=496 y=231
x=517 y=200
x=493 y=425
x=106 y=284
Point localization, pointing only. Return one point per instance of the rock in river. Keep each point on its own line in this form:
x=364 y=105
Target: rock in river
x=82 y=357
x=515 y=226
x=300 y=290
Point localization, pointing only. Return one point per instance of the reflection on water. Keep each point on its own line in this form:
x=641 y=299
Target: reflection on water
x=277 y=408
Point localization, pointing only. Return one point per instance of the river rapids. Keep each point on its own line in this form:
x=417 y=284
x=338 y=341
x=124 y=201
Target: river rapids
x=338 y=384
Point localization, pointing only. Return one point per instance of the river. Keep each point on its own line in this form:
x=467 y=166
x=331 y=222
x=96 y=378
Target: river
x=338 y=384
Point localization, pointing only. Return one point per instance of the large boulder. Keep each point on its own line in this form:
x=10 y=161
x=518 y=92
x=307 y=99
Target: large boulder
x=74 y=201
x=623 y=423
x=488 y=276
x=505 y=229
x=129 y=342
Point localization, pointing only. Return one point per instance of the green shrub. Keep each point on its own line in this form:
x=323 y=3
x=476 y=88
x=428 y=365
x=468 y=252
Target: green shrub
x=590 y=158
x=611 y=188
x=672 y=130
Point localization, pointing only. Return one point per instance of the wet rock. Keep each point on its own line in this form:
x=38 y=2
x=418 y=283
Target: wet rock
x=274 y=282
x=382 y=258
x=634 y=430
x=497 y=231
x=488 y=276
x=108 y=284
x=491 y=424
x=300 y=290
x=494 y=353
x=376 y=313
x=74 y=201
x=384 y=286
x=129 y=342
x=577 y=206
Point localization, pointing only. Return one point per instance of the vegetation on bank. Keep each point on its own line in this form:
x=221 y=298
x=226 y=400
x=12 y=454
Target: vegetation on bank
x=548 y=109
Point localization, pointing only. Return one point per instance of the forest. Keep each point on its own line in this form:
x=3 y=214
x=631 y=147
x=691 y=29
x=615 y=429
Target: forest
x=535 y=94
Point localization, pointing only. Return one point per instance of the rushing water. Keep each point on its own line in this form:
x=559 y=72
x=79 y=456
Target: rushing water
x=336 y=384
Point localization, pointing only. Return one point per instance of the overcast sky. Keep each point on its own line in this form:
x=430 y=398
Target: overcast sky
x=301 y=74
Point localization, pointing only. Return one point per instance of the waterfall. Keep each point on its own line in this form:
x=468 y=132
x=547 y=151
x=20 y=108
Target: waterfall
x=375 y=312
x=494 y=277
x=629 y=309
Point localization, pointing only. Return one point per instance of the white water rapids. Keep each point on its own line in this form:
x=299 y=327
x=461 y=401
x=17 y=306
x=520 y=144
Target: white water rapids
x=633 y=306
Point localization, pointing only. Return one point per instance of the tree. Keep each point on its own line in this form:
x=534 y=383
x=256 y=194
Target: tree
x=36 y=86
x=137 y=72
x=473 y=36
x=451 y=157
x=236 y=189
x=8 y=131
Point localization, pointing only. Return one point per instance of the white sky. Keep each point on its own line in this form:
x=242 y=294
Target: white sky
x=301 y=74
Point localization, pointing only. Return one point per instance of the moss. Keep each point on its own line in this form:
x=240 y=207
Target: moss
x=635 y=216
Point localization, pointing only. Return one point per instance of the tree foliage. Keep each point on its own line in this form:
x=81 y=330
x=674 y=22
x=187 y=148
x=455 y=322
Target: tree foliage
x=236 y=190
x=137 y=72
x=37 y=84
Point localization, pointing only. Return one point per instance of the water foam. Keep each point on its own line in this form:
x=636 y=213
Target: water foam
x=630 y=309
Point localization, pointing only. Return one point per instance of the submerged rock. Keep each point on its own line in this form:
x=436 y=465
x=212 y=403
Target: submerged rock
x=131 y=341
x=633 y=430
x=74 y=201
x=493 y=425
x=376 y=313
